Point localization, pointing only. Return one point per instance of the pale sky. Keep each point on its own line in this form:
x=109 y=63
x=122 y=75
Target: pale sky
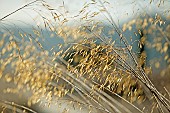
x=121 y=10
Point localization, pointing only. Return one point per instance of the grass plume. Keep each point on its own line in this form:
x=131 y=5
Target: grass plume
x=91 y=69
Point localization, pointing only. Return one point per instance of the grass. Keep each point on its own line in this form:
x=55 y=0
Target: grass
x=93 y=70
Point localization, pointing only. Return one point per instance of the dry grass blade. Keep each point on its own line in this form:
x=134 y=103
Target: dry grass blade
x=16 y=107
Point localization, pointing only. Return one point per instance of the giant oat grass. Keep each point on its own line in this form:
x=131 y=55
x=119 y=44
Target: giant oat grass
x=91 y=70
